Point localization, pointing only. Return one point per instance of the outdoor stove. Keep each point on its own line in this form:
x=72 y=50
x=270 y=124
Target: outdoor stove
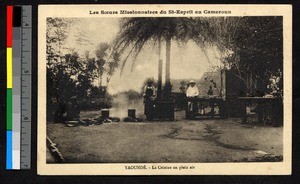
x=131 y=113
x=105 y=113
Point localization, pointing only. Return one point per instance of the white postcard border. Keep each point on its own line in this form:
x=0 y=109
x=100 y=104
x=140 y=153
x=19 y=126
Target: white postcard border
x=256 y=168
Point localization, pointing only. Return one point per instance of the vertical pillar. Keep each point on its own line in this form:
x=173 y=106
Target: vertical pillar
x=167 y=89
x=159 y=82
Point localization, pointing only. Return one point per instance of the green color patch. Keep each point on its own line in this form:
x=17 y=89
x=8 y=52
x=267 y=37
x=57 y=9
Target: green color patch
x=9 y=109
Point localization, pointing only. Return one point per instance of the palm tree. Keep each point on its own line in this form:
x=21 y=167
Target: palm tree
x=101 y=53
x=112 y=66
x=137 y=32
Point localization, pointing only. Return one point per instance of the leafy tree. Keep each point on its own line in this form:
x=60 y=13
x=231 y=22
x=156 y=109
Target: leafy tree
x=251 y=47
x=68 y=75
x=56 y=35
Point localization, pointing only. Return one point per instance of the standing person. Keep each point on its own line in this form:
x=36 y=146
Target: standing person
x=211 y=104
x=210 y=91
x=192 y=92
x=73 y=111
x=149 y=97
x=60 y=110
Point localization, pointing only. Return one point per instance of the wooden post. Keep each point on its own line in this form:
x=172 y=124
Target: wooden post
x=167 y=89
x=159 y=82
x=105 y=113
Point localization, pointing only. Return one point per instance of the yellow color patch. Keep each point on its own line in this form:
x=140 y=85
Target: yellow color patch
x=9 y=67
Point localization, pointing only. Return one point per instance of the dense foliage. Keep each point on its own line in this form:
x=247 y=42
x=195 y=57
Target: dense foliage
x=71 y=76
x=250 y=47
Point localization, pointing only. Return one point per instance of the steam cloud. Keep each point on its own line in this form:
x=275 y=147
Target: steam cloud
x=122 y=102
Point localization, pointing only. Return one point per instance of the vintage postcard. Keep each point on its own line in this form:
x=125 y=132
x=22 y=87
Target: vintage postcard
x=164 y=89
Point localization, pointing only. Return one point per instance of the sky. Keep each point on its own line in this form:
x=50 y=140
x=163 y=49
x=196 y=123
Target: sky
x=188 y=62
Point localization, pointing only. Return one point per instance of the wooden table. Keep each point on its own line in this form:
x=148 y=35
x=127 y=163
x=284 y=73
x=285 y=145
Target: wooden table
x=199 y=102
x=274 y=102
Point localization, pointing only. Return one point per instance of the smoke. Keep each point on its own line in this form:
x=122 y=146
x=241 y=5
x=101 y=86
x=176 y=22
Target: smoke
x=127 y=100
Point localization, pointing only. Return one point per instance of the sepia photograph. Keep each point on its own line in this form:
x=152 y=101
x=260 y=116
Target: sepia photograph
x=164 y=89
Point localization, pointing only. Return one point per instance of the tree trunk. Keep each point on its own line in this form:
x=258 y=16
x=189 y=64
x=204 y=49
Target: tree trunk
x=159 y=82
x=167 y=89
x=100 y=80
x=222 y=85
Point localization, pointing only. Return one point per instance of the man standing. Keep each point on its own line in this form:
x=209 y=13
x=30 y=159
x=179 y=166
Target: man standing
x=149 y=97
x=192 y=92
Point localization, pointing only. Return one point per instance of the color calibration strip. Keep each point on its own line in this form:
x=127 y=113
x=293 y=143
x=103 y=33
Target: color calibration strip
x=17 y=63
x=9 y=85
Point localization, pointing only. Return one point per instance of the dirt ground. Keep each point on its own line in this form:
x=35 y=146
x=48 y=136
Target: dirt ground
x=216 y=140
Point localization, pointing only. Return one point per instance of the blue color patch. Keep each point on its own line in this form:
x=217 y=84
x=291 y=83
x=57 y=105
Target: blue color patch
x=9 y=163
